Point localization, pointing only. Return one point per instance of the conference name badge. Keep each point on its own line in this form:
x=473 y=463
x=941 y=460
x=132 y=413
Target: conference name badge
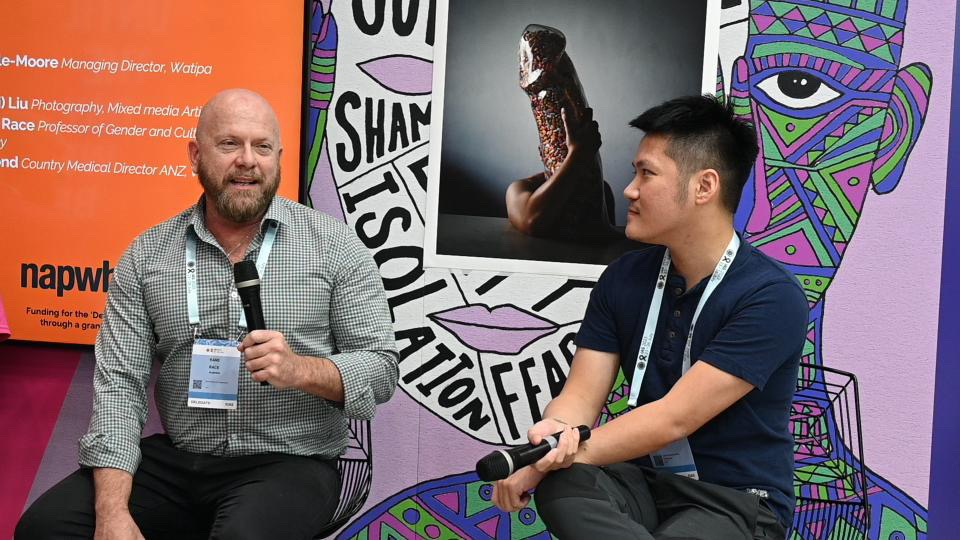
x=214 y=374
x=676 y=458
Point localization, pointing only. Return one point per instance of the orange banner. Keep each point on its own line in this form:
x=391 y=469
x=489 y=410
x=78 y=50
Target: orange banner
x=98 y=100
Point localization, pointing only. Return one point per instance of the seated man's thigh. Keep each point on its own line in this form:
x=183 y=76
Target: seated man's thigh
x=693 y=509
x=284 y=497
x=585 y=501
x=66 y=510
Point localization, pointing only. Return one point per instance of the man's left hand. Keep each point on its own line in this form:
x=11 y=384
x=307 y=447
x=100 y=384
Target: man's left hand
x=269 y=358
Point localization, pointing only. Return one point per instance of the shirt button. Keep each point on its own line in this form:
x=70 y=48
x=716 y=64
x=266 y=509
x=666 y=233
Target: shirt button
x=671 y=334
x=234 y=294
x=676 y=313
x=677 y=291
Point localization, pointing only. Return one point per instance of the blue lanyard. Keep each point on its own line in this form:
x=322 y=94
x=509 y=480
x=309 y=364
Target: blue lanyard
x=653 y=314
x=193 y=302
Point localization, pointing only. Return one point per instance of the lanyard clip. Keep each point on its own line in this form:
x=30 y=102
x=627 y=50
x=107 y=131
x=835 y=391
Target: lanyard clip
x=196 y=331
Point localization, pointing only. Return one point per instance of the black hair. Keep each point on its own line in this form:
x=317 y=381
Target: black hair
x=703 y=133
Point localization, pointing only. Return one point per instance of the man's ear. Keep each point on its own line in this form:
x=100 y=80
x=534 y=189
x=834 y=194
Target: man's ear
x=901 y=125
x=193 y=152
x=707 y=187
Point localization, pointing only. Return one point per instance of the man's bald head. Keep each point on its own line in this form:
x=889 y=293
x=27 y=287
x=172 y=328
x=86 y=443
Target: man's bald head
x=236 y=103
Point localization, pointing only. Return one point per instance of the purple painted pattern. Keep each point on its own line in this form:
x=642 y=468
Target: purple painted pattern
x=403 y=74
x=502 y=329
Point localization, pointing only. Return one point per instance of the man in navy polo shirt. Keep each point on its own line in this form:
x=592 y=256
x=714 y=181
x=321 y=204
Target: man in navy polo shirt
x=708 y=330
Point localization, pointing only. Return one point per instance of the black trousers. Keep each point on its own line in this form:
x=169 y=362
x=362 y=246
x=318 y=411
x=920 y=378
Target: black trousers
x=628 y=501
x=178 y=494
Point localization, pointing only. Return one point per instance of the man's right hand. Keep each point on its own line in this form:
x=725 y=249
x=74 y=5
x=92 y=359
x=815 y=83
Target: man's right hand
x=563 y=455
x=117 y=526
x=512 y=493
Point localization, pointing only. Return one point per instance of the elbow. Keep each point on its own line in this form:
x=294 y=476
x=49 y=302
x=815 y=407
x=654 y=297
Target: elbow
x=383 y=391
x=523 y=223
x=677 y=430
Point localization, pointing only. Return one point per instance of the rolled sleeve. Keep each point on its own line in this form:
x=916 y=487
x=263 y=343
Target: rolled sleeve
x=124 y=352
x=360 y=322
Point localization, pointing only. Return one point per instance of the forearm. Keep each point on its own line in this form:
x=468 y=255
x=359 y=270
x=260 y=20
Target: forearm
x=112 y=491
x=545 y=203
x=571 y=410
x=321 y=377
x=635 y=434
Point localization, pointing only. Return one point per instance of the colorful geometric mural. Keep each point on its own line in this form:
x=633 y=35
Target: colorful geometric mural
x=837 y=116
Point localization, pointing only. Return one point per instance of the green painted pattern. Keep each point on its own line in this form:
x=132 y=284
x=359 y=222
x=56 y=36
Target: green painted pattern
x=814 y=286
x=843 y=530
x=476 y=503
x=826 y=473
x=840 y=213
x=810 y=12
x=822 y=256
x=425 y=520
x=882 y=172
x=801 y=126
x=889 y=8
x=891 y=523
x=780 y=189
x=921 y=523
x=870 y=6
x=770 y=49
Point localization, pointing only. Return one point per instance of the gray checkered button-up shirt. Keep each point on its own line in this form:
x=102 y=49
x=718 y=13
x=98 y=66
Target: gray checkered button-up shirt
x=321 y=289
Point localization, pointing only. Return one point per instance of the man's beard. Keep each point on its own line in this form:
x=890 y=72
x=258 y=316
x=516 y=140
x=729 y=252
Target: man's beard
x=238 y=206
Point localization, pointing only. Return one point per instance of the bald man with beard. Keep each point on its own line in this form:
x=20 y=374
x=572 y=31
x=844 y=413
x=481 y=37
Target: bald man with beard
x=264 y=467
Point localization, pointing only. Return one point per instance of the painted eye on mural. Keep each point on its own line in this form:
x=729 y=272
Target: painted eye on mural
x=797 y=89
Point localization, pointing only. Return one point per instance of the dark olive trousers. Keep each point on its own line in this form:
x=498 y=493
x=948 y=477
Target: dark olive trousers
x=628 y=501
x=178 y=494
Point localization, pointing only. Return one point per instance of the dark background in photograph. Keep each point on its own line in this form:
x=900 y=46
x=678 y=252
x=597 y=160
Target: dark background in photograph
x=629 y=54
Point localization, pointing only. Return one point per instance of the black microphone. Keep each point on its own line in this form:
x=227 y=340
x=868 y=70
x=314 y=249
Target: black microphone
x=248 y=286
x=500 y=464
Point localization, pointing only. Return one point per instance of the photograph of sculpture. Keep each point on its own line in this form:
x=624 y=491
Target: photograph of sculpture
x=530 y=143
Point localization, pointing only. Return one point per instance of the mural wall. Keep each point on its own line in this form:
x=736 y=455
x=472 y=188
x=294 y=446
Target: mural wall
x=843 y=97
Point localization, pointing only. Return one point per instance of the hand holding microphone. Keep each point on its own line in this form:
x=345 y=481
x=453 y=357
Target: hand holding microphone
x=513 y=492
x=500 y=464
x=247 y=279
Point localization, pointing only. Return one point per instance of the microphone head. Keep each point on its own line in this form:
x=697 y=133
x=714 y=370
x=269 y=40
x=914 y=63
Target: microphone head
x=494 y=466
x=245 y=274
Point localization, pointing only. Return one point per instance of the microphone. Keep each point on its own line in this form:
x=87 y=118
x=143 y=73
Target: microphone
x=500 y=464
x=248 y=286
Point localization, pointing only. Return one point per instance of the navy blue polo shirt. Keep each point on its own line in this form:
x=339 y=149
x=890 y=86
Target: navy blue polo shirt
x=753 y=326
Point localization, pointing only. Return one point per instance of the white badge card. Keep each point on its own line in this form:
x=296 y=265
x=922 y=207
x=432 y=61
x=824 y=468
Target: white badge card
x=677 y=458
x=214 y=374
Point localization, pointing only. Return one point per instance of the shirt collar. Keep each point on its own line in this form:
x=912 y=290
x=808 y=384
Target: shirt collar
x=278 y=211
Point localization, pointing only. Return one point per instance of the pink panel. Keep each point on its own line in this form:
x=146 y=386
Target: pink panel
x=34 y=382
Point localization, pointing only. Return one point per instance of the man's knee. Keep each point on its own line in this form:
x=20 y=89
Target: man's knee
x=560 y=496
x=66 y=509
x=32 y=525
